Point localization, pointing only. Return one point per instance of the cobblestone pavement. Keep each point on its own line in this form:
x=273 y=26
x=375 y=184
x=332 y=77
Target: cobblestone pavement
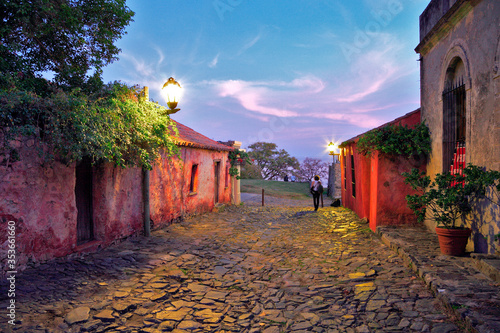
x=244 y=269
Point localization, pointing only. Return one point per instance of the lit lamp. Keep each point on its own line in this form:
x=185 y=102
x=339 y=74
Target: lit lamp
x=331 y=149
x=172 y=92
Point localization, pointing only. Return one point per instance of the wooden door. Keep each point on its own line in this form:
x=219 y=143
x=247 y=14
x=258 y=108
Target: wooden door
x=83 y=194
x=216 y=179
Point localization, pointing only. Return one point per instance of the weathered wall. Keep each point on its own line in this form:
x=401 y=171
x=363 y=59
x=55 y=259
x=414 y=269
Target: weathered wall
x=475 y=41
x=117 y=201
x=40 y=199
x=470 y=32
x=170 y=180
x=389 y=189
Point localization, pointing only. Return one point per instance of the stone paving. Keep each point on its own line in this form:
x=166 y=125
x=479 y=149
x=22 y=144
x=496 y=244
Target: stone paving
x=470 y=284
x=244 y=269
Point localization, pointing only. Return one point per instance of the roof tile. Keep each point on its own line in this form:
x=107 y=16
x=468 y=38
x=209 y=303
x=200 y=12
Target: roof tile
x=189 y=138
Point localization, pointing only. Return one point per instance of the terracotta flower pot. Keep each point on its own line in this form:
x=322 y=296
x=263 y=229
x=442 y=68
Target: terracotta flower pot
x=453 y=241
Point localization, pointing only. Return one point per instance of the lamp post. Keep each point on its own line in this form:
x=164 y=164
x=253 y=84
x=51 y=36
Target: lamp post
x=331 y=149
x=172 y=92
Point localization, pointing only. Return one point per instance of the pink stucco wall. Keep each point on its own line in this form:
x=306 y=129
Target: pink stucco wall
x=170 y=180
x=40 y=199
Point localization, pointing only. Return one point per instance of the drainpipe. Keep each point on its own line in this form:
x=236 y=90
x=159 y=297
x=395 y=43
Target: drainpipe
x=145 y=189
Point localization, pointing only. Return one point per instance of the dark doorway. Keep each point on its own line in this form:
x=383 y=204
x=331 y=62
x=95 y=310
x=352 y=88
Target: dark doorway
x=83 y=194
x=216 y=179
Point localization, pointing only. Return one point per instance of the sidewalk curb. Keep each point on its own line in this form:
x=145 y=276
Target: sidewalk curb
x=434 y=271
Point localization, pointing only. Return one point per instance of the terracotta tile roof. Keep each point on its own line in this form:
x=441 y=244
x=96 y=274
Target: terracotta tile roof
x=189 y=138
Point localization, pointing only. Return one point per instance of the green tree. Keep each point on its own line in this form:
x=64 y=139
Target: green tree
x=251 y=171
x=273 y=163
x=73 y=39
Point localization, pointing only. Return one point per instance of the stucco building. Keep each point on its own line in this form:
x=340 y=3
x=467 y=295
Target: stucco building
x=58 y=210
x=460 y=94
x=372 y=186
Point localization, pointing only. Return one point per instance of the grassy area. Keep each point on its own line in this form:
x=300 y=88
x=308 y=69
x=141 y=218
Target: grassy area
x=289 y=190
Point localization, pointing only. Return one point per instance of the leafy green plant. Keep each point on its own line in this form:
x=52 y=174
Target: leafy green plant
x=114 y=125
x=396 y=140
x=238 y=157
x=450 y=197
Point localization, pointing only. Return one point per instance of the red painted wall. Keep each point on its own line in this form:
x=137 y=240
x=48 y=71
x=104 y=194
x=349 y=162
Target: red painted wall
x=170 y=181
x=380 y=188
x=40 y=199
x=388 y=191
x=360 y=203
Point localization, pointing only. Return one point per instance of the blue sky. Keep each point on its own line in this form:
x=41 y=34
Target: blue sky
x=299 y=73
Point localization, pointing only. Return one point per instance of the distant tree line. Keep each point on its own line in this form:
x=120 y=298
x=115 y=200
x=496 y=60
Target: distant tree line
x=272 y=163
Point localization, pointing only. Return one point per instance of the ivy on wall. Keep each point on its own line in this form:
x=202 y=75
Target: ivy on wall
x=114 y=125
x=395 y=140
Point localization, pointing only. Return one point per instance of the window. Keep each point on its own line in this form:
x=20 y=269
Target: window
x=193 y=185
x=454 y=118
x=353 y=176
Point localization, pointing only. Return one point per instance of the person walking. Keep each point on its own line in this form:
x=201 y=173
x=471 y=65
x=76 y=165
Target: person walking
x=316 y=189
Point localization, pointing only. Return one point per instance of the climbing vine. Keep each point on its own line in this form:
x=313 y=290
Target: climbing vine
x=115 y=125
x=238 y=157
x=396 y=140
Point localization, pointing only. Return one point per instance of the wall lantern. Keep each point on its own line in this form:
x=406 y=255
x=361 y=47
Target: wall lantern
x=331 y=150
x=172 y=92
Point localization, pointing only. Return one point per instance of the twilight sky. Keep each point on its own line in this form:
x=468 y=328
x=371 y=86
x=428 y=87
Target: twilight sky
x=299 y=73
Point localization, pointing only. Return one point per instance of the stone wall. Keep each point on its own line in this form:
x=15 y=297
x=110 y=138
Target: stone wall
x=469 y=34
x=334 y=180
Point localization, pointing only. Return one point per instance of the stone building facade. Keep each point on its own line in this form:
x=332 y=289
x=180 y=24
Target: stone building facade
x=460 y=93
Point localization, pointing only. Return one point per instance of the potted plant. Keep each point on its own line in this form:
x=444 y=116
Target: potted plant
x=448 y=199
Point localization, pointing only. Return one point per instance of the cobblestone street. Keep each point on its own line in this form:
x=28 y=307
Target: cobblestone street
x=244 y=269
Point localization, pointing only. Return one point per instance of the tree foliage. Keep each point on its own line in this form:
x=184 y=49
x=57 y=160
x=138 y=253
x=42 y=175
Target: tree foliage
x=73 y=39
x=273 y=163
x=73 y=115
x=114 y=125
x=311 y=167
x=251 y=171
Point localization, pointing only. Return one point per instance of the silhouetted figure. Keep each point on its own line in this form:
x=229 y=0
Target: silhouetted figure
x=316 y=190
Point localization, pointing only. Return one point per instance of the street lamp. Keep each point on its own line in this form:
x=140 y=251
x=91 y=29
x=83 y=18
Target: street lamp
x=172 y=92
x=331 y=149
